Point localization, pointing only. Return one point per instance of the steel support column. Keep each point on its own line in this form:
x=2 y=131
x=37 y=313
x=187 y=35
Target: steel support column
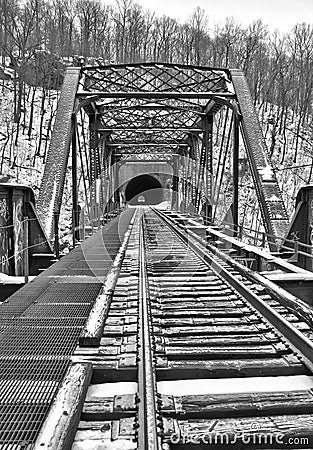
x=94 y=162
x=208 y=168
x=116 y=199
x=235 y=172
x=103 y=176
x=75 y=209
x=175 y=182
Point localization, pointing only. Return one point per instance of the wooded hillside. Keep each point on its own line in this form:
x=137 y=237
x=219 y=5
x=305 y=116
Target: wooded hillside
x=38 y=38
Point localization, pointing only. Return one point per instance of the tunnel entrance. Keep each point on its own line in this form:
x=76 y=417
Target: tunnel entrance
x=144 y=189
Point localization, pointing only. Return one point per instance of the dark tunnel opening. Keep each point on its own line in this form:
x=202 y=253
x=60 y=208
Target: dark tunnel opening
x=144 y=189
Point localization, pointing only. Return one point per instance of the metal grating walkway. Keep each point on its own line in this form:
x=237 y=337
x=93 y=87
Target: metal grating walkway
x=39 y=328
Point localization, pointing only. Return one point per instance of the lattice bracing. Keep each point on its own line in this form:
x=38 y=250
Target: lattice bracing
x=152 y=77
x=157 y=104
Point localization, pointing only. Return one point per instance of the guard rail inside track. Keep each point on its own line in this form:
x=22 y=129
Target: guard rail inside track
x=180 y=351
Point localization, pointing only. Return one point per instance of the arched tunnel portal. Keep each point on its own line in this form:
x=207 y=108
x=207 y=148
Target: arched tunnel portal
x=144 y=189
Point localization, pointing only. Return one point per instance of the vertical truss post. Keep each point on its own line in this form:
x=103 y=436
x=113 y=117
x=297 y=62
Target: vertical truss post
x=204 y=182
x=92 y=168
x=111 y=187
x=209 y=168
x=205 y=167
x=209 y=156
x=115 y=183
x=235 y=172
x=11 y=253
x=201 y=166
x=201 y=163
x=181 y=183
x=103 y=177
x=185 y=182
x=75 y=211
x=187 y=199
x=182 y=161
x=194 y=169
x=93 y=146
x=101 y=169
x=175 y=182
x=56 y=216
x=26 y=251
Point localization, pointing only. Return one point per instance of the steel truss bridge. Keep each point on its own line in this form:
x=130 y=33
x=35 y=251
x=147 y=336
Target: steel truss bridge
x=169 y=326
x=194 y=118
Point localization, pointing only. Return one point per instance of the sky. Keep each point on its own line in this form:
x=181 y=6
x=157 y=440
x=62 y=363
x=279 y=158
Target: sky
x=277 y=14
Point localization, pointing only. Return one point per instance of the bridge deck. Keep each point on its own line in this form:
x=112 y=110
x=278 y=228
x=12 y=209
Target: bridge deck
x=40 y=326
x=172 y=310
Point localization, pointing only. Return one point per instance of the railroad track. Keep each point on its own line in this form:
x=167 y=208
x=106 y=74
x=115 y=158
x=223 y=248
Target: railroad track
x=182 y=351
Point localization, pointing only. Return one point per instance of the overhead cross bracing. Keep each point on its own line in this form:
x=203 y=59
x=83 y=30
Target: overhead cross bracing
x=150 y=103
x=188 y=116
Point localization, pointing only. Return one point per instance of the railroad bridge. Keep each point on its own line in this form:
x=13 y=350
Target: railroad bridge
x=182 y=316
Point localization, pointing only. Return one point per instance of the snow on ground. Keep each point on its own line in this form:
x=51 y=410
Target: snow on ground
x=23 y=149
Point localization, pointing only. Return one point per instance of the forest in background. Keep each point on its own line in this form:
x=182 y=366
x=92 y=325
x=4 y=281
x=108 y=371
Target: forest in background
x=39 y=38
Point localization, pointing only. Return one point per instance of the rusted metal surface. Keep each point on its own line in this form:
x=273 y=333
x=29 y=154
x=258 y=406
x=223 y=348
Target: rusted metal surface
x=51 y=189
x=273 y=210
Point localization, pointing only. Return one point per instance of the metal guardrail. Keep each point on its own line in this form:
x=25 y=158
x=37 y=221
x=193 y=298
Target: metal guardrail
x=261 y=238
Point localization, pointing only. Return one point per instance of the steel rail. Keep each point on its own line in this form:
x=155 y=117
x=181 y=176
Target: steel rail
x=147 y=413
x=300 y=343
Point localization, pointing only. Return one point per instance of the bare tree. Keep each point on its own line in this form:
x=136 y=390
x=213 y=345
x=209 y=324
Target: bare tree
x=199 y=29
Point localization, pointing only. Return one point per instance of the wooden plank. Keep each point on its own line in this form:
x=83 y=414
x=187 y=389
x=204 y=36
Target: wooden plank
x=210 y=282
x=109 y=408
x=239 y=404
x=188 y=369
x=119 y=330
x=222 y=352
x=60 y=425
x=108 y=351
x=195 y=321
x=202 y=312
x=186 y=303
x=118 y=320
x=253 y=432
x=215 y=329
x=98 y=435
x=224 y=340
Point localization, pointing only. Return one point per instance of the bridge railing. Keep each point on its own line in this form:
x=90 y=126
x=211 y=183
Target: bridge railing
x=23 y=251
x=261 y=239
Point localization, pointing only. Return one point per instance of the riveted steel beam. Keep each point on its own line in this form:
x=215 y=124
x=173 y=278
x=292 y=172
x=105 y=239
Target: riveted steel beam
x=156 y=94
